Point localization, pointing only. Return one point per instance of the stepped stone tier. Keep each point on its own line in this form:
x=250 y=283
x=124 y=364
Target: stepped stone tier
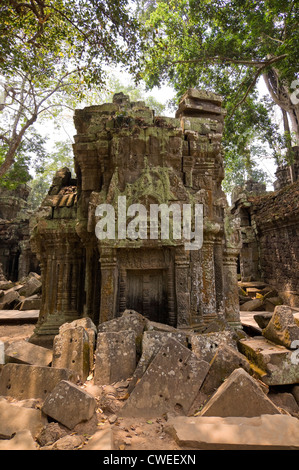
x=123 y=149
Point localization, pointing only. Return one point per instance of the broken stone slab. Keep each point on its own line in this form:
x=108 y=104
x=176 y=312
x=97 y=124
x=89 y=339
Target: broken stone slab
x=101 y=440
x=152 y=342
x=49 y=434
x=71 y=350
x=69 y=404
x=282 y=328
x=115 y=356
x=224 y=362
x=205 y=345
x=239 y=395
x=23 y=381
x=170 y=383
x=91 y=331
x=31 y=287
x=272 y=363
x=266 y=432
x=68 y=442
x=23 y=352
x=9 y=300
x=15 y=418
x=156 y=326
x=131 y=321
x=22 y=440
x=31 y=303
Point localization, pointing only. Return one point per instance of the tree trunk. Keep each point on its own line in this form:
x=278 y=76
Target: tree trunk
x=14 y=144
x=282 y=97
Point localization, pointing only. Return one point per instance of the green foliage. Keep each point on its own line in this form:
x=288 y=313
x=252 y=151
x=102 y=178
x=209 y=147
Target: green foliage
x=61 y=156
x=31 y=155
x=51 y=53
x=225 y=46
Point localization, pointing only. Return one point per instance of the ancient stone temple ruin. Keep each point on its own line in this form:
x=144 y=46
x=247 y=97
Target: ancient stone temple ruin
x=16 y=257
x=123 y=149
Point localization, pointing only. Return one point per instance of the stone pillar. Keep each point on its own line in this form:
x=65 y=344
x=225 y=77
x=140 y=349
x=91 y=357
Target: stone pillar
x=109 y=284
x=182 y=277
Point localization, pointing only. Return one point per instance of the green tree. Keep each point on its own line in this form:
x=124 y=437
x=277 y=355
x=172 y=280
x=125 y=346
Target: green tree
x=227 y=46
x=51 y=53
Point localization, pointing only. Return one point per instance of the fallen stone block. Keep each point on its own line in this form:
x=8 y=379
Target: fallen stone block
x=282 y=328
x=171 y=382
x=31 y=287
x=101 y=440
x=23 y=352
x=263 y=319
x=239 y=395
x=23 y=381
x=23 y=440
x=69 y=404
x=286 y=401
x=205 y=345
x=252 y=305
x=31 y=303
x=85 y=323
x=15 y=418
x=49 y=434
x=71 y=350
x=272 y=363
x=152 y=342
x=130 y=321
x=115 y=357
x=9 y=300
x=267 y=432
x=224 y=362
x=91 y=331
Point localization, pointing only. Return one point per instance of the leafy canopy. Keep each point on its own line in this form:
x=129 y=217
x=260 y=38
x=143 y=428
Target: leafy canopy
x=225 y=46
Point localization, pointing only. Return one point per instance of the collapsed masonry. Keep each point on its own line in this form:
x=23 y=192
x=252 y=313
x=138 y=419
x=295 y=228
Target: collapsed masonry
x=270 y=234
x=122 y=149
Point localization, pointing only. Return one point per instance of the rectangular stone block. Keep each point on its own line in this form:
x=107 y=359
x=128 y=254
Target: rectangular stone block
x=23 y=381
x=273 y=364
x=214 y=433
x=115 y=357
x=23 y=352
x=170 y=383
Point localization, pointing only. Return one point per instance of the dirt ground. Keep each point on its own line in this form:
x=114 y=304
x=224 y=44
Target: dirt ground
x=129 y=433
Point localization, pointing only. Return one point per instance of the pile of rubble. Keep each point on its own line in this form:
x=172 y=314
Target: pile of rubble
x=258 y=296
x=131 y=367
x=21 y=295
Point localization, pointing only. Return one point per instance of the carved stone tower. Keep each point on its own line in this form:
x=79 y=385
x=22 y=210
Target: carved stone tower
x=122 y=149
